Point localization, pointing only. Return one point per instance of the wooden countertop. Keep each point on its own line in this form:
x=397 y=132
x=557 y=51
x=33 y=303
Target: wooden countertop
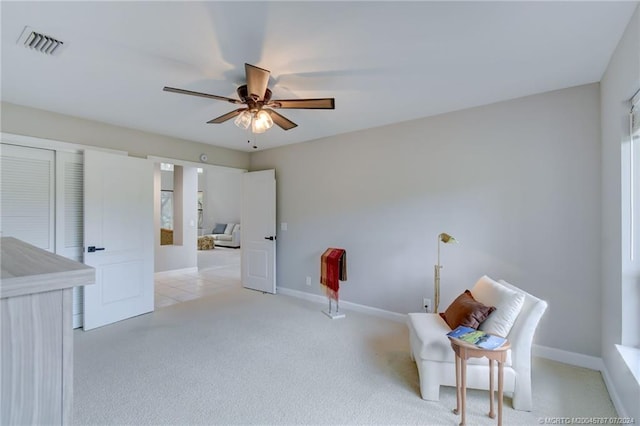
x=27 y=269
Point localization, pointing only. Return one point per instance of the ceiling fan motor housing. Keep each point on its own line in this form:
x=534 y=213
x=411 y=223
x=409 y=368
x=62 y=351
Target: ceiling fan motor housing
x=243 y=94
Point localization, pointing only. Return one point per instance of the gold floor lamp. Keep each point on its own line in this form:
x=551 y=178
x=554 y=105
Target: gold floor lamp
x=447 y=239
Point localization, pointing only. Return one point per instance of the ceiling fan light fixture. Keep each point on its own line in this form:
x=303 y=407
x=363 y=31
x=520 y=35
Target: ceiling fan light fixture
x=243 y=120
x=262 y=122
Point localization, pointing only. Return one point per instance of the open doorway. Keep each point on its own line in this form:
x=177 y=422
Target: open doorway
x=205 y=255
x=174 y=287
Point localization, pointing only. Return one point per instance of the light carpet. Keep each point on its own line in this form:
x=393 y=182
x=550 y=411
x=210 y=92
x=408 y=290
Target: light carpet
x=243 y=357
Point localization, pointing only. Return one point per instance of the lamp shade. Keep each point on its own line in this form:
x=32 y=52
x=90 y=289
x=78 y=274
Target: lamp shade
x=243 y=120
x=446 y=238
x=261 y=122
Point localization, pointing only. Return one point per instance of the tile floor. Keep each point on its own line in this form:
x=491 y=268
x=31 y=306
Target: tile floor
x=218 y=269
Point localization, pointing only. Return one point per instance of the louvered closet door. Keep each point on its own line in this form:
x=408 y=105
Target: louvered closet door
x=69 y=217
x=27 y=195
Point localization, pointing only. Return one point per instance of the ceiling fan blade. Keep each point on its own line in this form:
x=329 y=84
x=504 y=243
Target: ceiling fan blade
x=280 y=120
x=227 y=116
x=204 y=95
x=323 y=103
x=257 y=81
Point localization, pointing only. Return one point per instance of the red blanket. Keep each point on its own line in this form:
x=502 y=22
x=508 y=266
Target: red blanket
x=333 y=269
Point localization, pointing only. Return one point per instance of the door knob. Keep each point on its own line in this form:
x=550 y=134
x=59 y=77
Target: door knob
x=93 y=249
x=270 y=238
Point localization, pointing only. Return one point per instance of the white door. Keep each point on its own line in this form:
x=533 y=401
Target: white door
x=259 y=231
x=118 y=237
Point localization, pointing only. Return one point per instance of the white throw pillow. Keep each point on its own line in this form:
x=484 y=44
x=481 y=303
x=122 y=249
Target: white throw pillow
x=229 y=229
x=508 y=305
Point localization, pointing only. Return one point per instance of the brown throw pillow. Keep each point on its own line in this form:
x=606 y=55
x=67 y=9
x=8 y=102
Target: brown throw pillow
x=467 y=311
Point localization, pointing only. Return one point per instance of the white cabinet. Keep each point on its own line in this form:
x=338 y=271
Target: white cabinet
x=37 y=333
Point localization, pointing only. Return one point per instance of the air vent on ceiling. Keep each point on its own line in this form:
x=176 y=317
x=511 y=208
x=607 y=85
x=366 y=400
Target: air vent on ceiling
x=40 y=42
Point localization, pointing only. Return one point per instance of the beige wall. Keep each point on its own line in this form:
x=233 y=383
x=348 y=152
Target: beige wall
x=222 y=197
x=49 y=125
x=517 y=182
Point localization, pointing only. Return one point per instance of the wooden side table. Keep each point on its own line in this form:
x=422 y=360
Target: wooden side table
x=463 y=352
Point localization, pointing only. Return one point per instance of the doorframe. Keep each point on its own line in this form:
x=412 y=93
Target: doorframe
x=194 y=164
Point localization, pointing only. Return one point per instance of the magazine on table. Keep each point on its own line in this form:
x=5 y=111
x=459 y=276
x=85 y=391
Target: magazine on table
x=477 y=337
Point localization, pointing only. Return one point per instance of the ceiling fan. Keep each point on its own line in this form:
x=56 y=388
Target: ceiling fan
x=258 y=112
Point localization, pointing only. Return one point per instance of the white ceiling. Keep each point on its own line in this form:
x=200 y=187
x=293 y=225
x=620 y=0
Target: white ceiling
x=384 y=62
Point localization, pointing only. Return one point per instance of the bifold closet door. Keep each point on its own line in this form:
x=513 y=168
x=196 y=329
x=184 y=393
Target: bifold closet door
x=69 y=217
x=27 y=200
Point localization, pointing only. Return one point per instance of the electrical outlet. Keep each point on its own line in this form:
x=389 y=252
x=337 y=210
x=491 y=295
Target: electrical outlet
x=426 y=303
x=308 y=280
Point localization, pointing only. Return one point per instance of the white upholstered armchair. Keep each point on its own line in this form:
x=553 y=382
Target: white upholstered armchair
x=431 y=350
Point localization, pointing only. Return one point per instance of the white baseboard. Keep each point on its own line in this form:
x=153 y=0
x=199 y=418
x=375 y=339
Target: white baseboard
x=175 y=271
x=613 y=394
x=316 y=298
x=572 y=358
